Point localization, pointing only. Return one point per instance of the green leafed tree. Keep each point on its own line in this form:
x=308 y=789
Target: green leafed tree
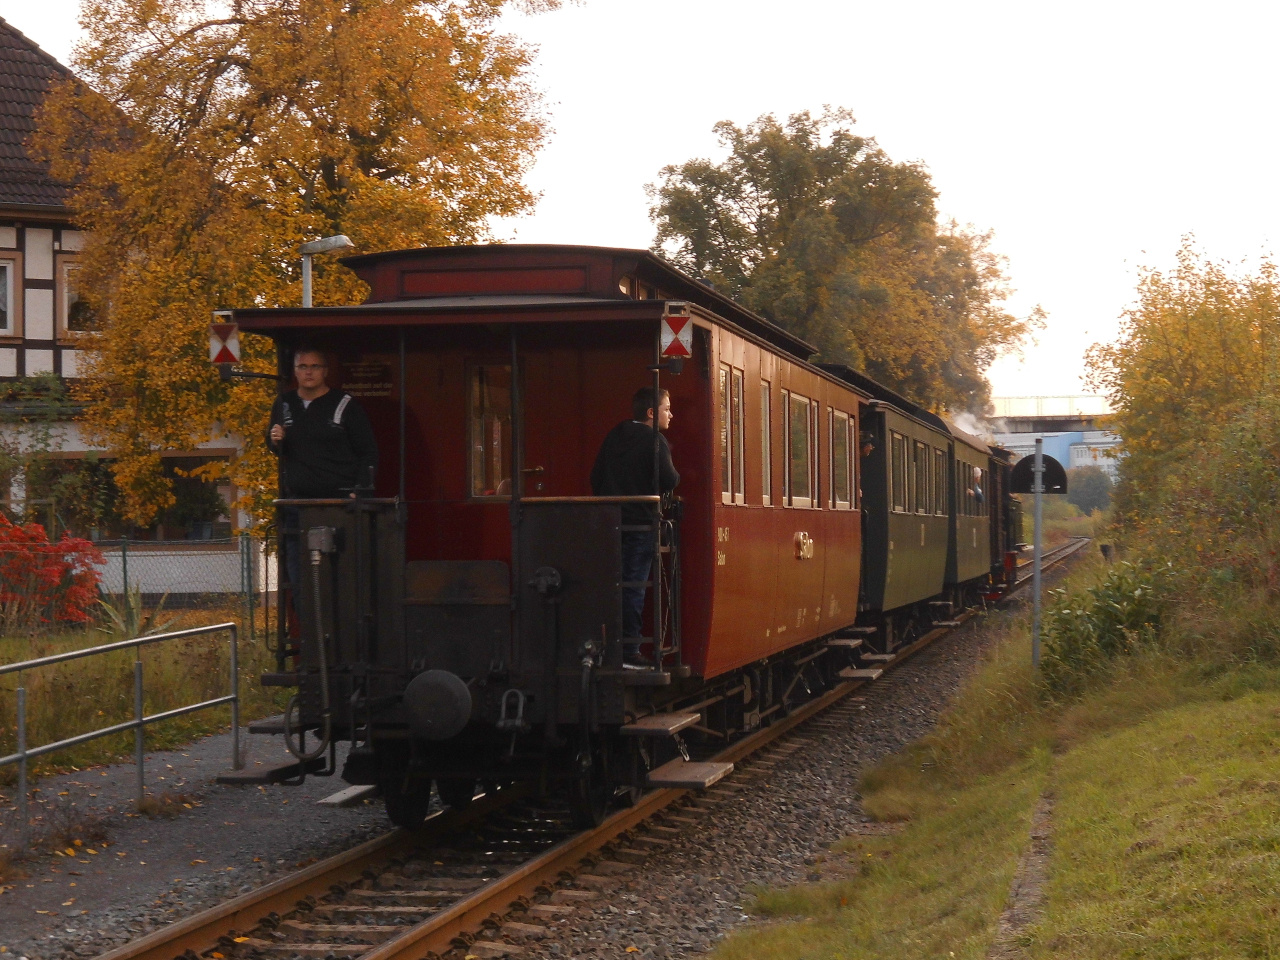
x=817 y=229
x=1089 y=488
x=207 y=140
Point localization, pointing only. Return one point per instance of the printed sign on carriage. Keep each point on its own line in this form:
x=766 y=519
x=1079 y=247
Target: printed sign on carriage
x=677 y=330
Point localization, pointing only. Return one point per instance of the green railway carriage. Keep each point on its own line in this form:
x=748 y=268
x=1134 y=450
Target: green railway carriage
x=969 y=555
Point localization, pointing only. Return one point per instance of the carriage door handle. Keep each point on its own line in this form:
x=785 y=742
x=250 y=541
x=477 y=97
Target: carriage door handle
x=537 y=472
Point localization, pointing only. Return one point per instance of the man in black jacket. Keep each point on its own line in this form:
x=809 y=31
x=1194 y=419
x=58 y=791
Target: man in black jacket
x=325 y=443
x=624 y=468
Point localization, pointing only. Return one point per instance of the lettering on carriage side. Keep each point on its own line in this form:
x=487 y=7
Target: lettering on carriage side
x=800 y=615
x=922 y=534
x=975 y=537
x=722 y=534
x=721 y=558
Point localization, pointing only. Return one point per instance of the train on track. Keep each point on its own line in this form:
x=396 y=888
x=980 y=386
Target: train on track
x=460 y=623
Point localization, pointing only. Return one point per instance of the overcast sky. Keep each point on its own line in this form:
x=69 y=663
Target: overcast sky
x=1089 y=137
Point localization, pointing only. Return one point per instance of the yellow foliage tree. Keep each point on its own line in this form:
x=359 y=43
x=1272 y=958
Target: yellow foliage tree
x=1198 y=347
x=202 y=149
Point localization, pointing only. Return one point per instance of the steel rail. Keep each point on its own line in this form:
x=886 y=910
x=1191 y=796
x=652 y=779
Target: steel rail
x=445 y=930
x=202 y=931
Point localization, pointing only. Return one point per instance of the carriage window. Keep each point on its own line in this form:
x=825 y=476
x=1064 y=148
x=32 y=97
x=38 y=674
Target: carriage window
x=726 y=463
x=898 y=470
x=939 y=482
x=980 y=478
x=799 y=449
x=841 y=475
x=490 y=431
x=739 y=461
x=766 y=444
x=923 y=484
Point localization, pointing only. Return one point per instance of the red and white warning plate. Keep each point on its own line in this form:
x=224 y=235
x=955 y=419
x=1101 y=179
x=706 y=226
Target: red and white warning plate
x=224 y=343
x=677 y=330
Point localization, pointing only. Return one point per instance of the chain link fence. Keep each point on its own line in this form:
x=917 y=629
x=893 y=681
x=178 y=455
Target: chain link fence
x=235 y=574
x=194 y=573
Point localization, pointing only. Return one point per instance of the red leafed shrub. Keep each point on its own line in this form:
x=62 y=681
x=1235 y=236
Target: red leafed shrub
x=43 y=583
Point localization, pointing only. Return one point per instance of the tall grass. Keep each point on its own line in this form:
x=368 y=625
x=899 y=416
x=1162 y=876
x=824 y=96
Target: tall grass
x=83 y=695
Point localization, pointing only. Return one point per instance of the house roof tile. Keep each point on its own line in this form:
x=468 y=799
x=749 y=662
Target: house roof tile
x=25 y=74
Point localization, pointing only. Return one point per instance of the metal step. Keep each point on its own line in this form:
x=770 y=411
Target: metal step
x=878 y=657
x=635 y=678
x=659 y=724
x=850 y=673
x=946 y=623
x=860 y=631
x=691 y=774
x=848 y=643
x=350 y=796
x=268 y=725
x=277 y=773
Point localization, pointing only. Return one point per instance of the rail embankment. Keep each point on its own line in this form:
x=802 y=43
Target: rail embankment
x=1123 y=801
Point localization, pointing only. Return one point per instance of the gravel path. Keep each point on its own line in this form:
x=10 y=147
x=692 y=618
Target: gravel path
x=216 y=843
x=224 y=841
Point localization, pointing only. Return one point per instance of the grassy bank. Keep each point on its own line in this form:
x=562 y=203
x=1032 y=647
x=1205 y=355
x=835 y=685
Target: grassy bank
x=83 y=695
x=1165 y=830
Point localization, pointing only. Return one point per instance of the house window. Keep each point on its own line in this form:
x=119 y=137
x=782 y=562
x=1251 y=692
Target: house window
x=841 y=467
x=490 y=429
x=766 y=444
x=6 y=298
x=77 y=315
x=939 y=482
x=799 y=451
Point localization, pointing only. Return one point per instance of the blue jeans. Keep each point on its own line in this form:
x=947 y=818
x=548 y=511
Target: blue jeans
x=637 y=560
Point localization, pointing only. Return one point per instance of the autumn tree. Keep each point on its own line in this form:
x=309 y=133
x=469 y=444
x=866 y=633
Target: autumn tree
x=206 y=141
x=1199 y=346
x=818 y=230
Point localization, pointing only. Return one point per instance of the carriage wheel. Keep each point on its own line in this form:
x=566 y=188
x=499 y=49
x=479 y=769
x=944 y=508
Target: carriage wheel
x=592 y=788
x=403 y=795
x=456 y=792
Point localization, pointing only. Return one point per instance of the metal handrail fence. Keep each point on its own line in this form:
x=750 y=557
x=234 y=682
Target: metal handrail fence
x=137 y=724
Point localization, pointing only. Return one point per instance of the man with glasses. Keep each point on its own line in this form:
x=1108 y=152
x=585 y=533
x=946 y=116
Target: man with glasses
x=325 y=443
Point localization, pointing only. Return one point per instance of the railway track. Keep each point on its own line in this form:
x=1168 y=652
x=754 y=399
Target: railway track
x=471 y=881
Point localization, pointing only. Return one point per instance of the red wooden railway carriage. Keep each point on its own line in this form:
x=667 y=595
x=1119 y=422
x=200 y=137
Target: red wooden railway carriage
x=460 y=624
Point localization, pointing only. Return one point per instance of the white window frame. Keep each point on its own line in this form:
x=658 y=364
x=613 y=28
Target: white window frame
x=737 y=434
x=840 y=417
x=11 y=262
x=766 y=443
x=63 y=265
x=791 y=499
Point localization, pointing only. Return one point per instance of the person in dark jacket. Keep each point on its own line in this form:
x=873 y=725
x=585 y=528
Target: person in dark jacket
x=325 y=443
x=624 y=468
